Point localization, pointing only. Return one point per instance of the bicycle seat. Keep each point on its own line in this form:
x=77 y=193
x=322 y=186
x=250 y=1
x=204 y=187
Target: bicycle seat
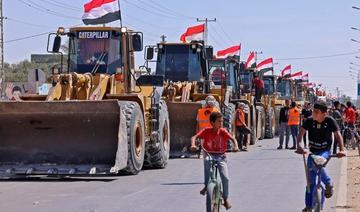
x=319 y=160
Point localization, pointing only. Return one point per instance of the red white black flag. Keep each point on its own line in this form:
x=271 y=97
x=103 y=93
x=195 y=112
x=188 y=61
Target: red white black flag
x=101 y=12
x=286 y=70
x=265 y=65
x=297 y=74
x=231 y=51
x=193 y=33
x=250 y=62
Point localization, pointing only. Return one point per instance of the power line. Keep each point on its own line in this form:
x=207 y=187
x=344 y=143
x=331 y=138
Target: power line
x=318 y=57
x=225 y=33
x=38 y=7
x=172 y=11
x=61 y=5
x=27 y=37
x=149 y=11
x=28 y=23
x=156 y=8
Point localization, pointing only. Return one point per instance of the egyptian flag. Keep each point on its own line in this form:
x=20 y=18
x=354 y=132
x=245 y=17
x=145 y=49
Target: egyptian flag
x=286 y=70
x=265 y=65
x=193 y=33
x=250 y=62
x=297 y=74
x=229 y=52
x=101 y=12
x=305 y=77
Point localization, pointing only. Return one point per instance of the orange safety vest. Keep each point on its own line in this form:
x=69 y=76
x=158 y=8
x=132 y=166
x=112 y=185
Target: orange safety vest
x=294 y=117
x=203 y=117
x=240 y=118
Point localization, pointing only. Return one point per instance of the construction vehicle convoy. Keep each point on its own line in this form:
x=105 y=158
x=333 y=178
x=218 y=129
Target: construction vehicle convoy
x=97 y=119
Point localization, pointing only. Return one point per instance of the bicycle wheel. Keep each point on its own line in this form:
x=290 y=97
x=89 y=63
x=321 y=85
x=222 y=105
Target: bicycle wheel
x=318 y=198
x=213 y=198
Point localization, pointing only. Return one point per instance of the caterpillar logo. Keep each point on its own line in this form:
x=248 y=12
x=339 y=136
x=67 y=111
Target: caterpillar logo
x=94 y=35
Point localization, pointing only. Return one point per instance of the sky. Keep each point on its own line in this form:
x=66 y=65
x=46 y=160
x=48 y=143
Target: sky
x=291 y=32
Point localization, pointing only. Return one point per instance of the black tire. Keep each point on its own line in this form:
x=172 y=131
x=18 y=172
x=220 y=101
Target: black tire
x=253 y=137
x=211 y=204
x=229 y=120
x=157 y=156
x=270 y=124
x=261 y=122
x=318 y=198
x=136 y=138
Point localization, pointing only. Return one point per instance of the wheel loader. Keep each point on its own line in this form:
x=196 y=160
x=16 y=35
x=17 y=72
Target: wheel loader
x=97 y=119
x=185 y=67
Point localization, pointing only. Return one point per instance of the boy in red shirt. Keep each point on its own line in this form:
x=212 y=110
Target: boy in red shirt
x=215 y=143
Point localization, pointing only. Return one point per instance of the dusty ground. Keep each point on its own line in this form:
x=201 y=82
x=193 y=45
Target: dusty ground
x=353 y=196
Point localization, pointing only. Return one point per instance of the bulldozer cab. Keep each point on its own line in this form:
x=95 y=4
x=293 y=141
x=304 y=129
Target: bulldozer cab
x=284 y=88
x=269 y=82
x=246 y=78
x=181 y=62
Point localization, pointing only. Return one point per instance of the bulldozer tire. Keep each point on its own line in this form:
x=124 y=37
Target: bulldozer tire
x=136 y=138
x=261 y=119
x=157 y=156
x=229 y=117
x=253 y=125
x=270 y=124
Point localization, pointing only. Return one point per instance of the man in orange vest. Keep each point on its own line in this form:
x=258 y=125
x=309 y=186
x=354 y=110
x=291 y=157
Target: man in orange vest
x=294 y=122
x=203 y=115
x=240 y=124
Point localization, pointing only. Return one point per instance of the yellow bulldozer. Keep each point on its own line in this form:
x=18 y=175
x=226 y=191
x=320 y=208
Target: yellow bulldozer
x=188 y=81
x=98 y=118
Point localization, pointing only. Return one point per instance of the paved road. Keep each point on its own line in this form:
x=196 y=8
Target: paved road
x=263 y=179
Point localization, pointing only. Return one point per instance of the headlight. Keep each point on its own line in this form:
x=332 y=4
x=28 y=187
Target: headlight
x=123 y=29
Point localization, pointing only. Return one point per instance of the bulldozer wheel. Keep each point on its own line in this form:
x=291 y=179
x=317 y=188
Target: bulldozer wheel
x=261 y=122
x=270 y=124
x=157 y=156
x=253 y=125
x=229 y=120
x=136 y=138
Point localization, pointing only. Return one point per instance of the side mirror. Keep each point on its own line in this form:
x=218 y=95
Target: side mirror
x=137 y=42
x=57 y=44
x=149 y=53
x=209 y=53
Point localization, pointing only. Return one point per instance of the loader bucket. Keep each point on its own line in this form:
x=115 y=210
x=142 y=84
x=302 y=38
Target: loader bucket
x=60 y=137
x=182 y=126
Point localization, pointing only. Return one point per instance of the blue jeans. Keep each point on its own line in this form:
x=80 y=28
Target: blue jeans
x=284 y=129
x=325 y=178
x=223 y=171
x=294 y=133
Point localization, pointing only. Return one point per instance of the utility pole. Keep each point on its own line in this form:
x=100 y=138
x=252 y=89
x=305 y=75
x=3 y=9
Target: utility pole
x=2 y=71
x=206 y=20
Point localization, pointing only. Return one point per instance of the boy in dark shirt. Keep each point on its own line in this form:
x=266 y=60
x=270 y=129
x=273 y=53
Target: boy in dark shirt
x=305 y=114
x=215 y=143
x=284 y=128
x=320 y=128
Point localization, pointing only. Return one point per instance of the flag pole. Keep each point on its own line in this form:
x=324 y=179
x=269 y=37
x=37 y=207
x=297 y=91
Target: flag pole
x=240 y=54
x=121 y=25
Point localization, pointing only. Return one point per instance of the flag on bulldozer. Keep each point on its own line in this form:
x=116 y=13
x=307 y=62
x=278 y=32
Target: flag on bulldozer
x=101 y=12
x=193 y=33
x=305 y=77
x=286 y=70
x=231 y=51
x=297 y=74
x=265 y=65
x=250 y=62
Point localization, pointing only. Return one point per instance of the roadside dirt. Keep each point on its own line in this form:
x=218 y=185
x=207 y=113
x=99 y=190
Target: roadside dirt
x=353 y=195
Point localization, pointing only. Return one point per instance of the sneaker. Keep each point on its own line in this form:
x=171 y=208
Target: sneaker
x=329 y=190
x=279 y=147
x=293 y=147
x=287 y=147
x=203 y=191
x=307 y=209
x=227 y=204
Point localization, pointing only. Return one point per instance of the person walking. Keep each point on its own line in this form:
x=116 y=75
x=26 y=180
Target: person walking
x=283 y=125
x=337 y=115
x=240 y=124
x=294 y=122
x=305 y=114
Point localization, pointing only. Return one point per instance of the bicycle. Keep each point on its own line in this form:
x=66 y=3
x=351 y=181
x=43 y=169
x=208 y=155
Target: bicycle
x=350 y=137
x=319 y=193
x=214 y=186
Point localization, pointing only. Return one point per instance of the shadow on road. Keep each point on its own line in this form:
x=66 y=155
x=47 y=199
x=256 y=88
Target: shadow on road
x=180 y=184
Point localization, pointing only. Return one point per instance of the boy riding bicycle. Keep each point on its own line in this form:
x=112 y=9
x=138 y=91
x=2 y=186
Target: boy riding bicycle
x=215 y=140
x=320 y=128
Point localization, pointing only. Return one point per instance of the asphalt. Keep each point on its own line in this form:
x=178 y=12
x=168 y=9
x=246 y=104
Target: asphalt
x=263 y=179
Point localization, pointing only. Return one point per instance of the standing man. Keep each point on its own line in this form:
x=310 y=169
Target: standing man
x=240 y=123
x=321 y=129
x=305 y=114
x=283 y=125
x=350 y=115
x=294 y=122
x=259 y=86
x=337 y=115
